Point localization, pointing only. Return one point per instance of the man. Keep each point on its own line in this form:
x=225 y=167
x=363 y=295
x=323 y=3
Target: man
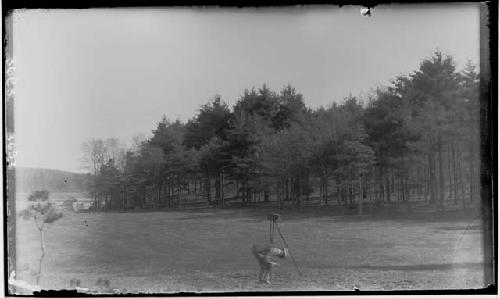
x=264 y=254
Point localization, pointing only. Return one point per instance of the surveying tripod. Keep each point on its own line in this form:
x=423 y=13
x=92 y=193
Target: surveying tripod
x=273 y=224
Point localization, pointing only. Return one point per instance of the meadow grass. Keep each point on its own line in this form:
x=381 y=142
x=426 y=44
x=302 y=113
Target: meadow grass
x=210 y=250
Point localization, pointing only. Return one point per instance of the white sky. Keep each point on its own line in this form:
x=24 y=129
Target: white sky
x=115 y=72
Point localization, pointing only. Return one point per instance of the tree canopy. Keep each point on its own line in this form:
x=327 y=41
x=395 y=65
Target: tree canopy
x=416 y=139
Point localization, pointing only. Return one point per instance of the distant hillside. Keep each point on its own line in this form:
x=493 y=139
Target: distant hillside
x=29 y=179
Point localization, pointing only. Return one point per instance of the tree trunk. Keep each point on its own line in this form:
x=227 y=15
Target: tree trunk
x=300 y=192
x=343 y=191
x=283 y=195
x=170 y=192
x=360 y=203
x=278 y=192
x=207 y=188
x=406 y=189
x=307 y=186
x=351 y=189
x=441 y=174
x=393 y=186
x=217 y=187
x=287 y=189
x=340 y=193
x=42 y=256
x=162 y=194
x=432 y=178
x=450 y=178
x=158 y=196
x=143 y=201
x=461 y=180
x=455 y=174
x=222 y=189
x=427 y=181
x=388 y=190
x=321 y=184
x=400 y=197
x=471 y=171
x=178 y=191
x=325 y=186
x=419 y=183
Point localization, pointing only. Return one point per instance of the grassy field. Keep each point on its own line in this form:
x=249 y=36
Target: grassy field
x=210 y=251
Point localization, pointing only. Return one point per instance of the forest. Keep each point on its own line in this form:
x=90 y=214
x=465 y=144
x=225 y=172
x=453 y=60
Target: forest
x=417 y=139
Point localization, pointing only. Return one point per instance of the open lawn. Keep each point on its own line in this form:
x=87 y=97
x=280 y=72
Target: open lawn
x=210 y=251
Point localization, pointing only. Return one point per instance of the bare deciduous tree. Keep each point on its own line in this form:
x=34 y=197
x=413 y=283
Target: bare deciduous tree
x=42 y=212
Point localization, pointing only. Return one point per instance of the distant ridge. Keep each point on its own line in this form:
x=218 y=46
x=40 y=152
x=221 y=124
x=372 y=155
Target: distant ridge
x=29 y=179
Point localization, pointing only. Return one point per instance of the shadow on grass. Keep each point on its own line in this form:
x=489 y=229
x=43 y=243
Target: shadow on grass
x=427 y=217
x=325 y=214
x=461 y=228
x=423 y=267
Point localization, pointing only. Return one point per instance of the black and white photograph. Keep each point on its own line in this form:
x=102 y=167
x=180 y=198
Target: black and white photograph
x=307 y=148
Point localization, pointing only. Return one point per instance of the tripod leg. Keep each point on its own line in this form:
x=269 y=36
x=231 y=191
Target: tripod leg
x=288 y=249
x=271 y=231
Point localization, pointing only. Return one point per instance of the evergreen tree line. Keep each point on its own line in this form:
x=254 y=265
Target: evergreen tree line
x=415 y=140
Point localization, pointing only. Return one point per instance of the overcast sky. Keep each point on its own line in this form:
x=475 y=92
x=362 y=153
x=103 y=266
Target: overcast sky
x=100 y=73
